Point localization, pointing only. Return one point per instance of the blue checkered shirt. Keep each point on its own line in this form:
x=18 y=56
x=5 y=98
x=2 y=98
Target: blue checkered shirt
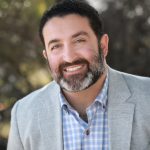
x=80 y=135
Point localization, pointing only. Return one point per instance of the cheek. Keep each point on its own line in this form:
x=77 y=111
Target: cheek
x=90 y=49
x=89 y=53
x=53 y=63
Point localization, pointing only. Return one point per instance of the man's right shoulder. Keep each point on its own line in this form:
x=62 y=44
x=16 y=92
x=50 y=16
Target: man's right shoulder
x=28 y=112
x=40 y=93
x=38 y=97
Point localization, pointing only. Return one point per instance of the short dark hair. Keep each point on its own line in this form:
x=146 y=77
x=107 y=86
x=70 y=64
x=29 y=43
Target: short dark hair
x=79 y=7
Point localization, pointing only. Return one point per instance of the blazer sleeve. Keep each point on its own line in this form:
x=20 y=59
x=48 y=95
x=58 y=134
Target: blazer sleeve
x=14 y=140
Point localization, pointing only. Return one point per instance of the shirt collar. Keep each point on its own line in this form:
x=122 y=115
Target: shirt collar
x=101 y=97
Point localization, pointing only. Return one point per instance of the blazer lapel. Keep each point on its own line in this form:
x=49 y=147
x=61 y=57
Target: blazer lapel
x=50 y=121
x=120 y=112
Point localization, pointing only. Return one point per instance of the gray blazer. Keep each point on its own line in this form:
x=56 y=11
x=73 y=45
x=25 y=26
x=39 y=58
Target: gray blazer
x=36 y=122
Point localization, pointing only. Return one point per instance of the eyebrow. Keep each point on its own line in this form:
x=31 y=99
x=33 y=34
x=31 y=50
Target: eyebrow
x=73 y=36
x=80 y=33
x=53 y=41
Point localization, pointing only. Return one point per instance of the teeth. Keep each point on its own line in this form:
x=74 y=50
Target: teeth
x=70 y=69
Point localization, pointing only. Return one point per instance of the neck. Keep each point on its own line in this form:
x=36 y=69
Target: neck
x=82 y=99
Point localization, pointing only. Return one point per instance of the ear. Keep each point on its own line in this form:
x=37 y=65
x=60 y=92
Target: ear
x=45 y=54
x=104 y=44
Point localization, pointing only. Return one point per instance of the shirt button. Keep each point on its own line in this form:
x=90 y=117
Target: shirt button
x=87 y=132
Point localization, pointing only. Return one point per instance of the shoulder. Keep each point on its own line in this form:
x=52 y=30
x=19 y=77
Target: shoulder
x=138 y=86
x=42 y=93
x=133 y=81
x=33 y=102
x=30 y=110
x=137 y=83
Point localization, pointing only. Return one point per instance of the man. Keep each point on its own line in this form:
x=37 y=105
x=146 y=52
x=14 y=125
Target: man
x=88 y=106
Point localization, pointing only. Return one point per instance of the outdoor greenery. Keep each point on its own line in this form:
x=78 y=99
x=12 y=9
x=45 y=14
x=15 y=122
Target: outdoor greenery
x=22 y=67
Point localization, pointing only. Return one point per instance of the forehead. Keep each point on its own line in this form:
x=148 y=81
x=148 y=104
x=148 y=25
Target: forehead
x=68 y=24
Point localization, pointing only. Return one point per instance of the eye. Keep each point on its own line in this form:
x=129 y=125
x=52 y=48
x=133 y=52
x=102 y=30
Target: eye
x=55 y=46
x=80 y=40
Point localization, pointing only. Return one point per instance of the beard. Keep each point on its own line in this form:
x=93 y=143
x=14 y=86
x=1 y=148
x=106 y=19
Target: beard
x=80 y=81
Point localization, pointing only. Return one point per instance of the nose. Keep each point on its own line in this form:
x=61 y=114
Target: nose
x=69 y=53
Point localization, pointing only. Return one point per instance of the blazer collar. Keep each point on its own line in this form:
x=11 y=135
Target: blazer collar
x=120 y=111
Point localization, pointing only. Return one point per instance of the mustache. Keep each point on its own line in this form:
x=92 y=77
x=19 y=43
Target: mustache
x=76 y=62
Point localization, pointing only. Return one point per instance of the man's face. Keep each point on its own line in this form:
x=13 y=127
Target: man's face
x=72 y=49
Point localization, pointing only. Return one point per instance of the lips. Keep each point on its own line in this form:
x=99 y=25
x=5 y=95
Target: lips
x=75 y=71
x=73 y=68
x=77 y=67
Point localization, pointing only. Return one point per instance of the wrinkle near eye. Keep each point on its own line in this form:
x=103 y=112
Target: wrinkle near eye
x=80 y=40
x=55 y=46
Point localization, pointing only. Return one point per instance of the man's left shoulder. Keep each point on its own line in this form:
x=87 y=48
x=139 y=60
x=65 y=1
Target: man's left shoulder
x=137 y=81
x=131 y=79
x=140 y=90
x=136 y=84
x=139 y=87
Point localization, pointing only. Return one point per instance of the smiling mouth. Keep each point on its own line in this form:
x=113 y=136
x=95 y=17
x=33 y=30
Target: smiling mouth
x=73 y=68
x=79 y=66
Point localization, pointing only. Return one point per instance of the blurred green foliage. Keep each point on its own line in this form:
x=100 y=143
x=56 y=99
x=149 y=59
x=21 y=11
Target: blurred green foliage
x=20 y=48
x=22 y=67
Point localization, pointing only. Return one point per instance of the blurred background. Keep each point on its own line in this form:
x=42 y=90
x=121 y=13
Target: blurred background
x=22 y=67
